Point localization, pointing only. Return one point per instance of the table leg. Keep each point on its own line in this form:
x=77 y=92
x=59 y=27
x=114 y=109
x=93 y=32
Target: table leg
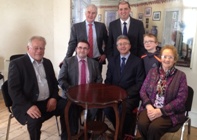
x=115 y=107
x=85 y=122
x=66 y=114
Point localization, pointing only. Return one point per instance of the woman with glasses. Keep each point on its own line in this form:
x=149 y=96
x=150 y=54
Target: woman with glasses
x=163 y=94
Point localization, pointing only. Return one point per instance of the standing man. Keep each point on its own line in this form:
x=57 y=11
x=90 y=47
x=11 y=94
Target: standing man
x=33 y=89
x=126 y=71
x=73 y=73
x=94 y=32
x=128 y=26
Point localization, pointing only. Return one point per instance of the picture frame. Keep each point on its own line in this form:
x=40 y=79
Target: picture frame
x=157 y=15
x=99 y=17
x=140 y=16
x=148 y=11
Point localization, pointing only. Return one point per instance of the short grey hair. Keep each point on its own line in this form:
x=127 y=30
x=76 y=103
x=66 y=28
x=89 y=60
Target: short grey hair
x=91 y=6
x=122 y=37
x=34 y=38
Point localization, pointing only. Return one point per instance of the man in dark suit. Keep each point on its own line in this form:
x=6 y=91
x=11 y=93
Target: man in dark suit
x=70 y=75
x=134 y=30
x=80 y=31
x=125 y=70
x=33 y=89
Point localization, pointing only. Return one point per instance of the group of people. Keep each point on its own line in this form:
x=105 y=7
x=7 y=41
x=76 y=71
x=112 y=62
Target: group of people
x=134 y=63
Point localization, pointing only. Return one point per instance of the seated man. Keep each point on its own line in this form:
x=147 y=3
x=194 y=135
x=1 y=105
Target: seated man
x=33 y=89
x=126 y=71
x=73 y=73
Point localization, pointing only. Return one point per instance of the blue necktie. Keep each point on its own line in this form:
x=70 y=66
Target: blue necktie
x=125 y=29
x=122 y=64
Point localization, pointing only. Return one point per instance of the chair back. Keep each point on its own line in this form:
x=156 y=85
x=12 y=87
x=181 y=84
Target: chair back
x=15 y=56
x=188 y=104
x=6 y=96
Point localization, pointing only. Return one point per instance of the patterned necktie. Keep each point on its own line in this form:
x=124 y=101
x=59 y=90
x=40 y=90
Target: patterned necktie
x=125 y=29
x=83 y=72
x=90 y=40
x=122 y=64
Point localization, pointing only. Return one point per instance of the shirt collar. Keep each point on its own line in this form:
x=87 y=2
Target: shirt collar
x=125 y=56
x=79 y=59
x=127 y=21
x=32 y=60
x=89 y=23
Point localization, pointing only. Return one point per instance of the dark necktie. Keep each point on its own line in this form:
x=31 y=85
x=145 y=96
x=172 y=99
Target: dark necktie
x=83 y=72
x=90 y=40
x=122 y=64
x=125 y=29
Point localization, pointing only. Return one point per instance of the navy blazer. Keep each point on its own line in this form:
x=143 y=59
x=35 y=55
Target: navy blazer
x=135 y=35
x=131 y=78
x=23 y=86
x=78 y=32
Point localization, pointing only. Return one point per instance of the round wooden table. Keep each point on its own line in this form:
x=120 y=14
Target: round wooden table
x=96 y=95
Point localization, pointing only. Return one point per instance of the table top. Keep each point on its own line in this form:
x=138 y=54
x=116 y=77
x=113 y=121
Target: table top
x=96 y=94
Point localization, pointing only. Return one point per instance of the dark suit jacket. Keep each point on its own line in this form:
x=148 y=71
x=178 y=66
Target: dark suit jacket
x=78 y=32
x=68 y=75
x=135 y=35
x=131 y=78
x=23 y=86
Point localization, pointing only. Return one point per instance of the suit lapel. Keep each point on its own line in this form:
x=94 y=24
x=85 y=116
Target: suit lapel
x=117 y=65
x=83 y=29
x=90 y=69
x=97 y=28
x=130 y=26
x=118 y=27
x=76 y=70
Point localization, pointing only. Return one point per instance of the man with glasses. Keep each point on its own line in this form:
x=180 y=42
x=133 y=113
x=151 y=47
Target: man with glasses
x=125 y=70
x=73 y=73
x=33 y=89
x=128 y=26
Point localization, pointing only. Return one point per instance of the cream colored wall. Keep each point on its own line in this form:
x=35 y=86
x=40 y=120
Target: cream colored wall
x=22 y=19
x=51 y=18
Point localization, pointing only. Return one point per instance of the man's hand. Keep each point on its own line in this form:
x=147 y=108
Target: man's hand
x=51 y=104
x=102 y=58
x=34 y=112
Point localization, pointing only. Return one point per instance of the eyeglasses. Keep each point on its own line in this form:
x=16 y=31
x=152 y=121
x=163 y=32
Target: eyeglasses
x=38 y=48
x=149 y=41
x=123 y=44
x=82 y=48
x=167 y=56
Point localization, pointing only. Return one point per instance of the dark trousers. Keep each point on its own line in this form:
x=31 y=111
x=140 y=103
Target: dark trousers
x=130 y=117
x=34 y=125
x=153 y=130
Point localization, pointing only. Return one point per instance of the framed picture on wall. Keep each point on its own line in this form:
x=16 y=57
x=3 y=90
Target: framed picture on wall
x=148 y=11
x=156 y=15
x=140 y=16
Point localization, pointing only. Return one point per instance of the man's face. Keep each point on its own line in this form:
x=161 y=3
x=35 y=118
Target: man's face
x=36 y=49
x=123 y=46
x=82 y=50
x=124 y=11
x=90 y=14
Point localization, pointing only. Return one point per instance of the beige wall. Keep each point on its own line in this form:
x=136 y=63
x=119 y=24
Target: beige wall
x=20 y=19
